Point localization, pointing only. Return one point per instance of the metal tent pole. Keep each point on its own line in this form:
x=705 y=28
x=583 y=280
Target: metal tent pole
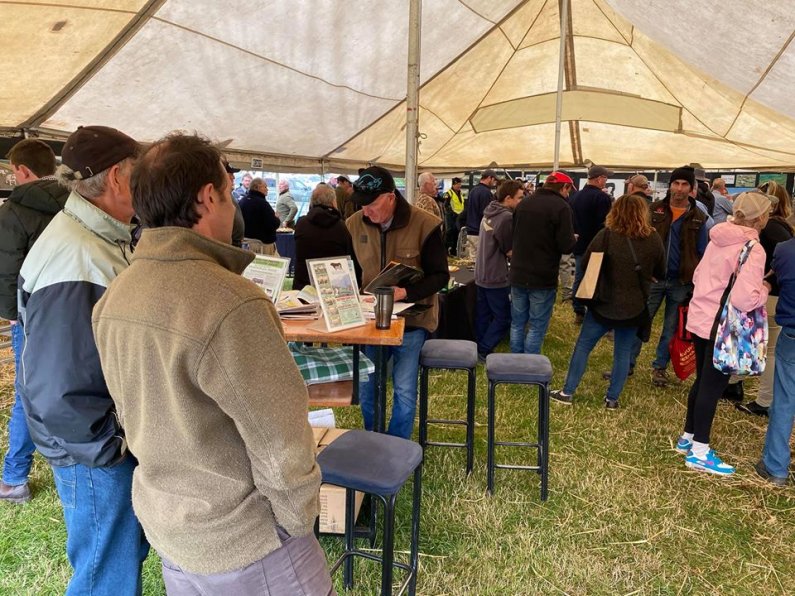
x=413 y=97
x=564 y=22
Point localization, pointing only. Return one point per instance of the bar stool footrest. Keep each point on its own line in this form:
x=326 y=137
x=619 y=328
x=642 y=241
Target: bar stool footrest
x=516 y=444
x=440 y=444
x=370 y=556
x=442 y=421
x=517 y=467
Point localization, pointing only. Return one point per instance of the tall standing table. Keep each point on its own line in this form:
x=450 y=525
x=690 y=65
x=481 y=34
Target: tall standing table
x=366 y=335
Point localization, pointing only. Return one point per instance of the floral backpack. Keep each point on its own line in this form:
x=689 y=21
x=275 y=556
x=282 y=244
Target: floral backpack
x=740 y=337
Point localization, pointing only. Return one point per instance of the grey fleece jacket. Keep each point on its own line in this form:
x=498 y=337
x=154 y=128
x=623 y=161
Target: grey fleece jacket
x=496 y=239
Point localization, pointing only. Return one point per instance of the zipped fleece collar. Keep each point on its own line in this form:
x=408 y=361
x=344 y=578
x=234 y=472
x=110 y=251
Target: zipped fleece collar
x=96 y=220
x=183 y=244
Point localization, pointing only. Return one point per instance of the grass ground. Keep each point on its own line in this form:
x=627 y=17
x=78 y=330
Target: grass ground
x=624 y=515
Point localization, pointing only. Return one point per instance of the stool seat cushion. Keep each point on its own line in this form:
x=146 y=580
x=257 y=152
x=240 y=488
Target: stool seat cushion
x=449 y=353
x=518 y=368
x=369 y=462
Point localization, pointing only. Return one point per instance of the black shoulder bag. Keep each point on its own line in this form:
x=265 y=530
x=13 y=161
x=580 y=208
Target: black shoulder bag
x=644 y=328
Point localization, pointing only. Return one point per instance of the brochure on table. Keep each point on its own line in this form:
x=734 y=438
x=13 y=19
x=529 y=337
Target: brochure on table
x=335 y=282
x=268 y=273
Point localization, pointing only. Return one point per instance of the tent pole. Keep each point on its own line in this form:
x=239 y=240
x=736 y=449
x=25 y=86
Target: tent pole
x=564 y=27
x=413 y=97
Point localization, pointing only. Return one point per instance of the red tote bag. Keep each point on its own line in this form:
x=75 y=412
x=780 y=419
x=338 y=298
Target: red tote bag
x=683 y=353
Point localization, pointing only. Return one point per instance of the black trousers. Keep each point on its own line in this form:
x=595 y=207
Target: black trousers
x=702 y=401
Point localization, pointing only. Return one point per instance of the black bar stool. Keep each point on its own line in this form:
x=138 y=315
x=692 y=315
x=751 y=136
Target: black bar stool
x=520 y=369
x=449 y=354
x=378 y=465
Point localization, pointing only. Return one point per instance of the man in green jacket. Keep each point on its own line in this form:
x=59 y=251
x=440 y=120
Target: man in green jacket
x=23 y=217
x=212 y=403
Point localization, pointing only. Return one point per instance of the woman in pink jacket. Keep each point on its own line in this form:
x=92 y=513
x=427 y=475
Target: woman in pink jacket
x=750 y=214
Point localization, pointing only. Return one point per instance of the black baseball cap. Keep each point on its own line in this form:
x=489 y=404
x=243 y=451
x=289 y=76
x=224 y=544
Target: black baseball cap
x=230 y=169
x=372 y=183
x=93 y=149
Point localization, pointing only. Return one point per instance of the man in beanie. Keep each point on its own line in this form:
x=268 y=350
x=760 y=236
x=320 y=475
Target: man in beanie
x=70 y=413
x=29 y=209
x=389 y=229
x=683 y=225
x=590 y=207
x=214 y=406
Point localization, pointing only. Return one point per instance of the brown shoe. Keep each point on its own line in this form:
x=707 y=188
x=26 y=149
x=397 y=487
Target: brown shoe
x=579 y=318
x=659 y=377
x=14 y=494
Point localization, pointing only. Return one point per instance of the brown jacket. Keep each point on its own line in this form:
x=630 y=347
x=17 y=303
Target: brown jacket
x=212 y=403
x=413 y=238
x=692 y=222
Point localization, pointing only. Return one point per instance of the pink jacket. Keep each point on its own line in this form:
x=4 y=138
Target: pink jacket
x=713 y=272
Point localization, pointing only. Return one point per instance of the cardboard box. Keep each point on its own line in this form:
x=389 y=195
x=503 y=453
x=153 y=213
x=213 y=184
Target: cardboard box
x=332 y=498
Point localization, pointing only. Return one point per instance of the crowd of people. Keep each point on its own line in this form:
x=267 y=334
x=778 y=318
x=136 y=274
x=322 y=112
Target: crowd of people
x=182 y=423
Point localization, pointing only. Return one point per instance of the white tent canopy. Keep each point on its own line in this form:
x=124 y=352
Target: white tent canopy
x=648 y=84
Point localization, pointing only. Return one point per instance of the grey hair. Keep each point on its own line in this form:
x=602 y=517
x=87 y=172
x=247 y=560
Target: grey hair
x=88 y=188
x=257 y=184
x=323 y=195
x=423 y=178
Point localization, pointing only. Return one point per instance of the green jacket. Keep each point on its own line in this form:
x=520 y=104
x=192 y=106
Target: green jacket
x=23 y=217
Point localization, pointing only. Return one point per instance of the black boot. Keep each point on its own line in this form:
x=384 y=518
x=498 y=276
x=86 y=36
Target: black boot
x=733 y=393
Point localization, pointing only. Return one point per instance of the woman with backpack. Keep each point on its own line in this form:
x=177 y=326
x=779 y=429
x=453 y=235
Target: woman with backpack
x=730 y=242
x=633 y=256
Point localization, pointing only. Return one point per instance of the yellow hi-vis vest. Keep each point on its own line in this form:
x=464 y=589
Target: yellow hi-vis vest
x=455 y=200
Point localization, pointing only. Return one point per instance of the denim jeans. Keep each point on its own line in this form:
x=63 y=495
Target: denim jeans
x=533 y=307
x=776 y=454
x=105 y=544
x=492 y=317
x=590 y=334
x=19 y=457
x=579 y=273
x=675 y=293
x=405 y=370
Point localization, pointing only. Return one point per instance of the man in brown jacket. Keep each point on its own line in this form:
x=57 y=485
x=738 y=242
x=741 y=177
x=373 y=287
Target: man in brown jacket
x=389 y=229
x=212 y=403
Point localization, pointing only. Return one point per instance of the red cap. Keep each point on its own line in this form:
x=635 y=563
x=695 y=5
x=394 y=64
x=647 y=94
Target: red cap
x=559 y=178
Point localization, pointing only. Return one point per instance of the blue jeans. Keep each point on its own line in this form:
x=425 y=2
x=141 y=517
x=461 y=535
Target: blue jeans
x=105 y=544
x=19 y=457
x=492 y=317
x=776 y=454
x=590 y=334
x=579 y=273
x=405 y=370
x=534 y=307
x=674 y=293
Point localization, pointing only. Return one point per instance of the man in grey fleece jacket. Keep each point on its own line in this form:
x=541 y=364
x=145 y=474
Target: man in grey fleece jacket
x=212 y=403
x=493 y=311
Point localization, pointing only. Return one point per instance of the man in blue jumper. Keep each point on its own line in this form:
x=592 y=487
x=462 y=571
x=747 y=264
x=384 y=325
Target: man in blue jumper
x=774 y=465
x=479 y=197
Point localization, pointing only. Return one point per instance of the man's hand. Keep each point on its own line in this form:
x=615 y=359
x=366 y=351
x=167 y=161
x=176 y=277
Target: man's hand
x=400 y=293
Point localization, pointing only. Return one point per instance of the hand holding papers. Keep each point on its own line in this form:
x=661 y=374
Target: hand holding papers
x=395 y=274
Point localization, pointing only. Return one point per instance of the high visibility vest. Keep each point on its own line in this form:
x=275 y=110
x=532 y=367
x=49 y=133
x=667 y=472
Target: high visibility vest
x=455 y=200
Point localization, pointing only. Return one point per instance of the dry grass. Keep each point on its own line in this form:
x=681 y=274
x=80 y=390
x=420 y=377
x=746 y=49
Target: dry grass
x=624 y=515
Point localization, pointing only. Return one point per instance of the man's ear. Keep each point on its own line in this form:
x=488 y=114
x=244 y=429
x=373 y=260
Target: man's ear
x=205 y=195
x=22 y=172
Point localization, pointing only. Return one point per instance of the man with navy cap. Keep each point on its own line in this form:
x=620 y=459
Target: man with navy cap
x=389 y=229
x=69 y=410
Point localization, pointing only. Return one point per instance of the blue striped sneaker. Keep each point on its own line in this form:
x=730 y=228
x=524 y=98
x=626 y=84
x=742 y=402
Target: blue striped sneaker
x=712 y=464
x=684 y=445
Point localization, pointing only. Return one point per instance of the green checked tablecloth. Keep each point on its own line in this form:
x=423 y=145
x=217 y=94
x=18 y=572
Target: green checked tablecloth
x=326 y=365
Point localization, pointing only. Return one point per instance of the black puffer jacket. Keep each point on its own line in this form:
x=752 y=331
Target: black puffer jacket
x=321 y=233
x=23 y=217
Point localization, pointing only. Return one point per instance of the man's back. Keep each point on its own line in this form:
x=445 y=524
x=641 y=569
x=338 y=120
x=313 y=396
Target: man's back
x=479 y=198
x=542 y=233
x=213 y=405
x=590 y=207
x=259 y=218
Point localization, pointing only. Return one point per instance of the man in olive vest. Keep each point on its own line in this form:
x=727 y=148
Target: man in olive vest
x=389 y=229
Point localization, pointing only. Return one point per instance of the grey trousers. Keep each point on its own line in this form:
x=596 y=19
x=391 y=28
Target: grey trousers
x=298 y=568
